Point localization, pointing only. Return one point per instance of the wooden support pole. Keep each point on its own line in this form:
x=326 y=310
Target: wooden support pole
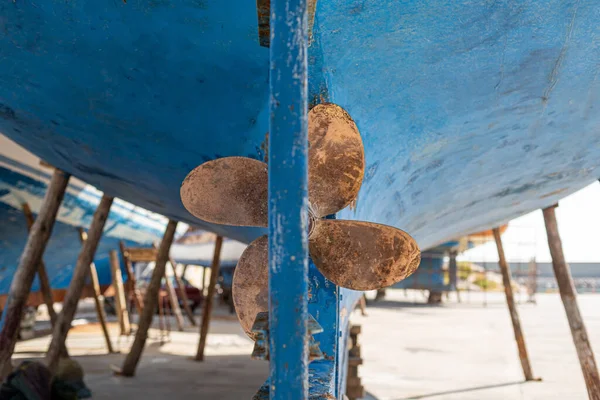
x=568 y=295
x=120 y=299
x=214 y=275
x=176 y=310
x=161 y=316
x=45 y=286
x=131 y=281
x=97 y=294
x=28 y=265
x=203 y=280
x=453 y=270
x=512 y=308
x=183 y=293
x=82 y=268
x=150 y=302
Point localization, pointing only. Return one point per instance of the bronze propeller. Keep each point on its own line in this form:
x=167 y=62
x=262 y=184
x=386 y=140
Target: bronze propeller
x=352 y=254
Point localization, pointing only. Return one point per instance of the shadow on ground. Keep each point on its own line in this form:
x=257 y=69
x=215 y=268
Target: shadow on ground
x=465 y=390
x=390 y=304
x=164 y=376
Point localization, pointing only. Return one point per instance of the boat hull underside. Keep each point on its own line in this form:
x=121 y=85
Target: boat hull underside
x=471 y=113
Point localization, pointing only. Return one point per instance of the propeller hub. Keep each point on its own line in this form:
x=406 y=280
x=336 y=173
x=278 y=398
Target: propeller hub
x=312 y=220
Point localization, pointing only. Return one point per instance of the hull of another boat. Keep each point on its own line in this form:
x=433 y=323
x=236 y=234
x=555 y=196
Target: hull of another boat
x=24 y=180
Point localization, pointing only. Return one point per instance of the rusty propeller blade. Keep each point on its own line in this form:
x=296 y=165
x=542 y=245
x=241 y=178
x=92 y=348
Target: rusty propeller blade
x=230 y=191
x=336 y=160
x=362 y=255
x=251 y=283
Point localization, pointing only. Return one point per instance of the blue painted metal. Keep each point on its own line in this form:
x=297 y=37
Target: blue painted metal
x=288 y=201
x=260 y=330
x=331 y=306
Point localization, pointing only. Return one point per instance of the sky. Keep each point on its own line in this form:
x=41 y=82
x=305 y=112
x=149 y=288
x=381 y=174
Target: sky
x=579 y=226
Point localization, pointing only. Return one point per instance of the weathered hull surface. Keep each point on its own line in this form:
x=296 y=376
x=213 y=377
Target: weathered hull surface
x=471 y=113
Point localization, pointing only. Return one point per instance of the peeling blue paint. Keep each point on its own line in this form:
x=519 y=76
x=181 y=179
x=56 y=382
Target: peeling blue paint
x=288 y=201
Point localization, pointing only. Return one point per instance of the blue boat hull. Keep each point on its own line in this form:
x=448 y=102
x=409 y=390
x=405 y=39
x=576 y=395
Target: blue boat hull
x=467 y=110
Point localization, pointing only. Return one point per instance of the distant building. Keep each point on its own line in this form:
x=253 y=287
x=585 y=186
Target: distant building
x=586 y=276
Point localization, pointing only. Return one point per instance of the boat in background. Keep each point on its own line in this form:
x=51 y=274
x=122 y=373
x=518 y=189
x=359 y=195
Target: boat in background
x=196 y=247
x=435 y=273
x=23 y=179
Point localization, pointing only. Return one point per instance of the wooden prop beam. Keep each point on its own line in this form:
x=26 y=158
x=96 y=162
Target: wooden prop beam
x=174 y=302
x=45 y=286
x=568 y=295
x=150 y=302
x=82 y=268
x=214 y=275
x=203 y=288
x=161 y=317
x=453 y=271
x=183 y=293
x=141 y=254
x=512 y=308
x=97 y=294
x=120 y=298
x=131 y=281
x=28 y=266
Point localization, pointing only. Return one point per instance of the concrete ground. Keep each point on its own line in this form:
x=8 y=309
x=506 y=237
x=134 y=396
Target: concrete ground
x=410 y=350
x=166 y=369
x=467 y=351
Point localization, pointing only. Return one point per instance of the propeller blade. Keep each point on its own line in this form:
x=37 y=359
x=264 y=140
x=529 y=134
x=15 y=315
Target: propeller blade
x=251 y=283
x=362 y=255
x=336 y=160
x=230 y=191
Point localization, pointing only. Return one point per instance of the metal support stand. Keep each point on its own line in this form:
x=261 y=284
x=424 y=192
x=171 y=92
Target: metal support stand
x=150 y=302
x=512 y=308
x=568 y=295
x=82 y=268
x=288 y=193
x=214 y=275
x=28 y=266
